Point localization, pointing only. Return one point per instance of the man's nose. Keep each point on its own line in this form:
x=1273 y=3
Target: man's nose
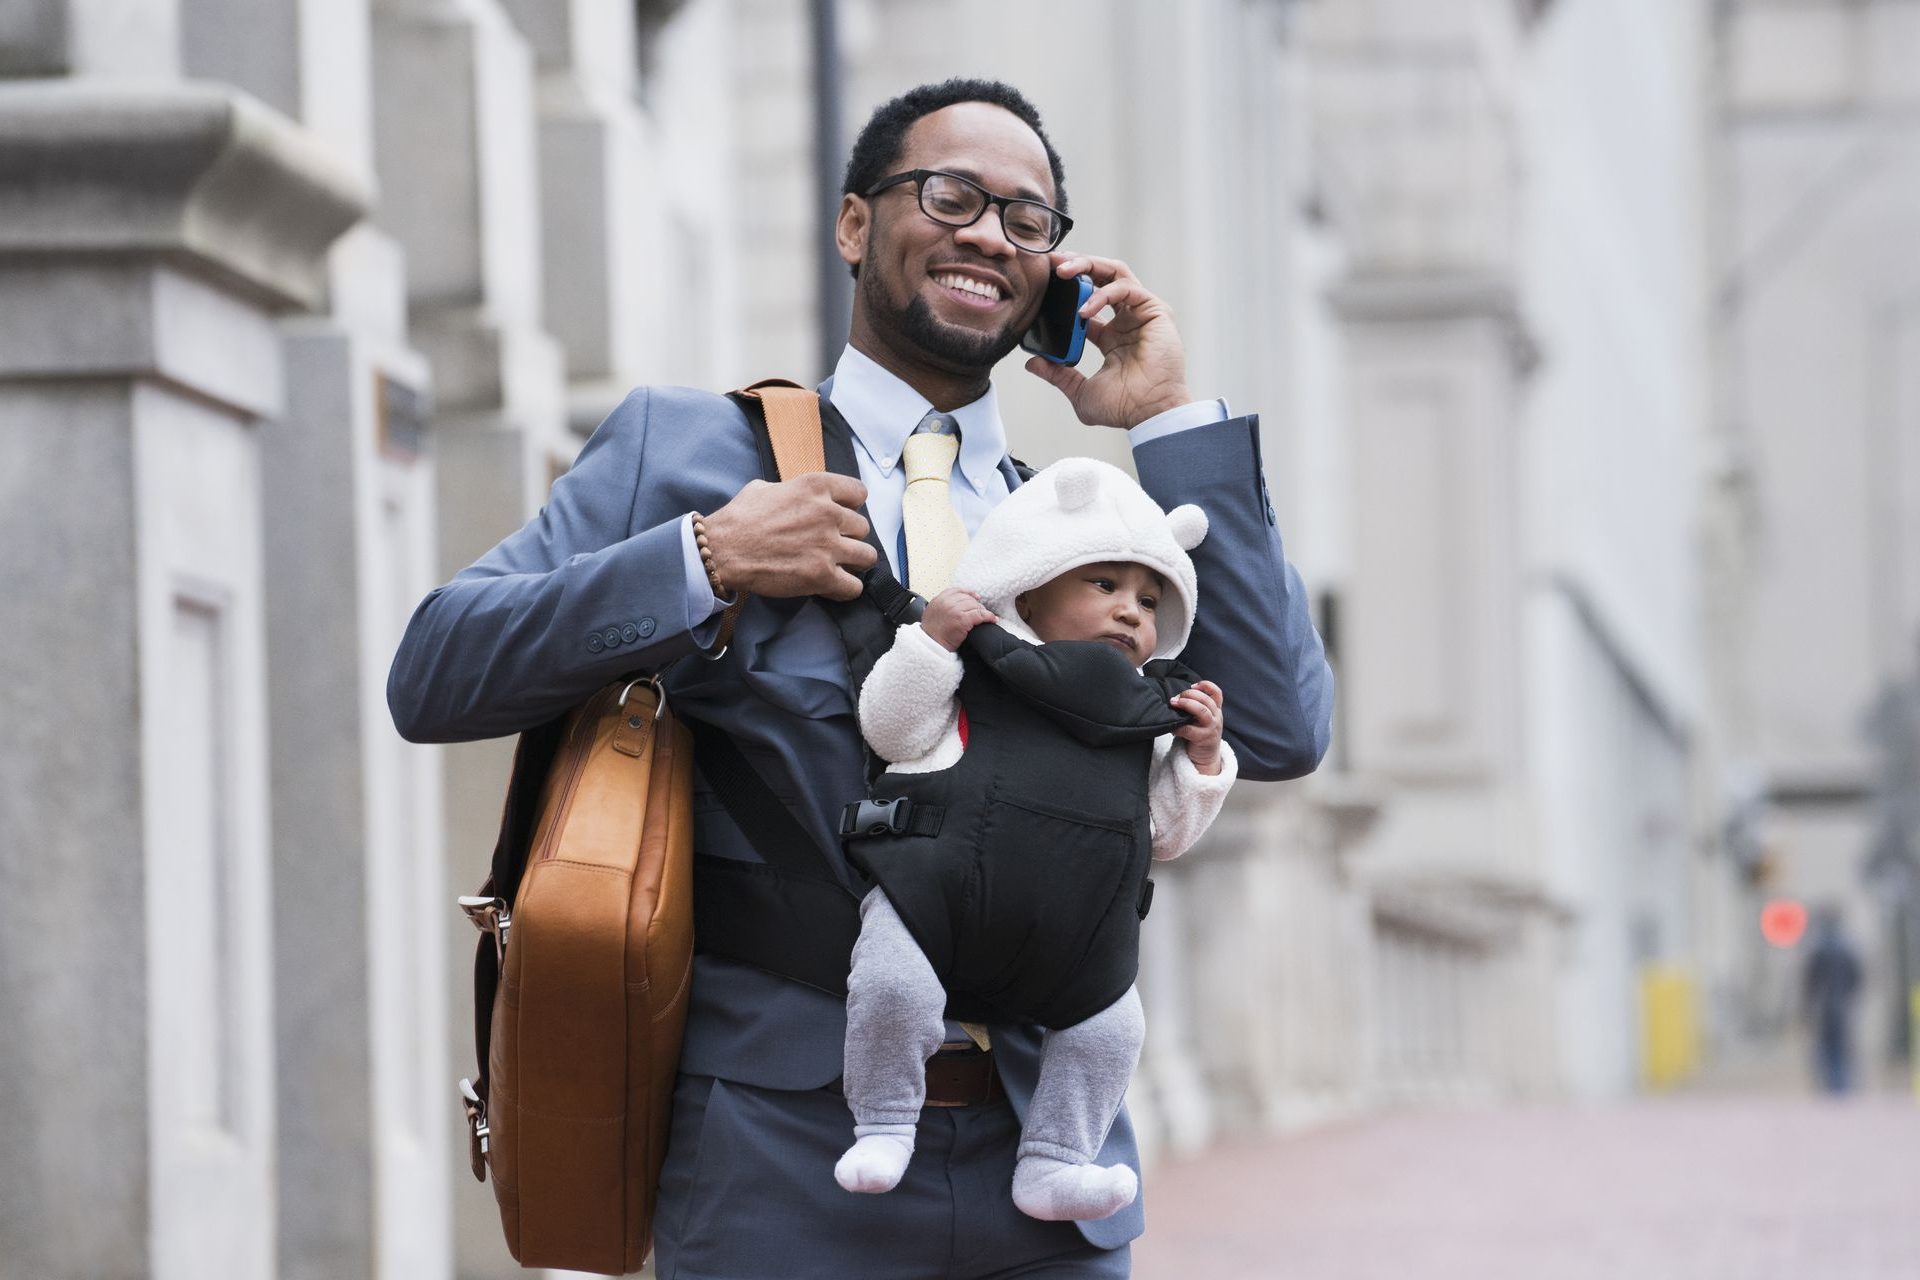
x=987 y=234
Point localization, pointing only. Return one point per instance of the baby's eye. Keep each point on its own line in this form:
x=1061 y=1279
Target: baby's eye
x=1105 y=584
x=1148 y=603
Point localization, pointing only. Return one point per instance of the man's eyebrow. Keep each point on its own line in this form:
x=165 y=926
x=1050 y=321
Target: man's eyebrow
x=973 y=175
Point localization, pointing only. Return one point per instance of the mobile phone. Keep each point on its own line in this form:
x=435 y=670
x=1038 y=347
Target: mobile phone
x=1059 y=333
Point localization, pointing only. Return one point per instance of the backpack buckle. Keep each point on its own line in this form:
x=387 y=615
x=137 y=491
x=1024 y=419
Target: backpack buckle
x=876 y=818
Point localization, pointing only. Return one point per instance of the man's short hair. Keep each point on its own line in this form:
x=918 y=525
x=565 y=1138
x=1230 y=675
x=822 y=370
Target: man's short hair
x=878 y=147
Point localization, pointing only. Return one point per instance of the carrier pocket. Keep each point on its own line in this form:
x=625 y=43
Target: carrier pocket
x=1045 y=880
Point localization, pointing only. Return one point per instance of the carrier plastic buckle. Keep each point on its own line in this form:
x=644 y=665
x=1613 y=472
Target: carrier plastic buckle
x=876 y=818
x=478 y=1134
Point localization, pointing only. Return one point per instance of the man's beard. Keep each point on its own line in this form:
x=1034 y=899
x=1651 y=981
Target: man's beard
x=950 y=345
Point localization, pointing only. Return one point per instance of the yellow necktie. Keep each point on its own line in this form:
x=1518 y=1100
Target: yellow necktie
x=935 y=536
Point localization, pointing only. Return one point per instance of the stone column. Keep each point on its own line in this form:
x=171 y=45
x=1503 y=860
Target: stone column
x=455 y=150
x=606 y=231
x=150 y=233
x=364 y=1082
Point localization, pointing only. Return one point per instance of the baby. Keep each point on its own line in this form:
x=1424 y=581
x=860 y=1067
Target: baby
x=1047 y=748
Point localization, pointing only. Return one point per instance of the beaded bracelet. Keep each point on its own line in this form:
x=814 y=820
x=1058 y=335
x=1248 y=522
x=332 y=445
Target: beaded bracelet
x=706 y=559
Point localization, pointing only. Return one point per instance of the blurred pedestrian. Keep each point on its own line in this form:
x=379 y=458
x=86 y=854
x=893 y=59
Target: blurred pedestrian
x=1829 y=984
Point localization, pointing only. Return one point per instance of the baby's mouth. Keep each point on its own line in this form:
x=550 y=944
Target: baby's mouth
x=1123 y=643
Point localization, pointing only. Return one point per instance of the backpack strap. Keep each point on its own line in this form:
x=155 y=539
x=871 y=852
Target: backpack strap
x=791 y=416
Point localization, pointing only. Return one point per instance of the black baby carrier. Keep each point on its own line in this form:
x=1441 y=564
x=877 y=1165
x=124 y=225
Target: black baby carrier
x=1021 y=870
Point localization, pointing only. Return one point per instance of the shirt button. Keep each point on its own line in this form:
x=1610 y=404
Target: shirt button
x=646 y=627
x=612 y=636
x=629 y=633
x=594 y=643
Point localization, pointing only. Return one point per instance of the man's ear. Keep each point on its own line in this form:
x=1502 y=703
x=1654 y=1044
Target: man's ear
x=850 y=230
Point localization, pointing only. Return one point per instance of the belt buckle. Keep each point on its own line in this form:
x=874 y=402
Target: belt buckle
x=986 y=1089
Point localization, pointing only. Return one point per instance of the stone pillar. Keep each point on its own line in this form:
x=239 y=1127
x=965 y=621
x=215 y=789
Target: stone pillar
x=150 y=233
x=606 y=224
x=1170 y=1088
x=455 y=131
x=360 y=921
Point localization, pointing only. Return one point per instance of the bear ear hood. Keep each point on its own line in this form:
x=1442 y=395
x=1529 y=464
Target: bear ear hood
x=1083 y=511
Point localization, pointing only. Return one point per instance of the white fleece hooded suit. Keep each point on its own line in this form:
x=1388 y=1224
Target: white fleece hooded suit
x=1074 y=513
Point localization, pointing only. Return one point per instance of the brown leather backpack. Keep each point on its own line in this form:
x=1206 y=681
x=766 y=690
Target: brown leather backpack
x=580 y=991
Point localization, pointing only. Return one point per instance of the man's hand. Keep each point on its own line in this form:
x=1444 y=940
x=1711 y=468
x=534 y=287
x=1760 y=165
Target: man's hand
x=1143 y=369
x=1205 y=703
x=801 y=537
x=951 y=615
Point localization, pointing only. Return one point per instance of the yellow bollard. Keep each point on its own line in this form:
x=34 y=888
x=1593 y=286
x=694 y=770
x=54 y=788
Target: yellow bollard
x=1669 y=1025
x=1913 y=1035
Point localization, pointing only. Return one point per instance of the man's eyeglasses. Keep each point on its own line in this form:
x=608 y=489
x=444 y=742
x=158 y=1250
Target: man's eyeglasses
x=957 y=202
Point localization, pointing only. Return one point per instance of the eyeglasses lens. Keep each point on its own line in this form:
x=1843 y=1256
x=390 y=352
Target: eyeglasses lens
x=1031 y=226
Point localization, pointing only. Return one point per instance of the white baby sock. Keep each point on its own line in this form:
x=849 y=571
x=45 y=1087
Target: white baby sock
x=878 y=1158
x=1056 y=1191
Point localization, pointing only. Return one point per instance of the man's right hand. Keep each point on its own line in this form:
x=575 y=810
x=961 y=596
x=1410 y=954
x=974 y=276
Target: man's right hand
x=800 y=537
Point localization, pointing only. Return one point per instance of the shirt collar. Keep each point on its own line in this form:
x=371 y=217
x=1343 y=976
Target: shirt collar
x=883 y=411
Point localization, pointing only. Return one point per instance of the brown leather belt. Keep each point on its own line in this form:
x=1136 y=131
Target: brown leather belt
x=962 y=1075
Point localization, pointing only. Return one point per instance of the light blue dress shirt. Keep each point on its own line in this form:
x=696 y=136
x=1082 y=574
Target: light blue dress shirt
x=883 y=411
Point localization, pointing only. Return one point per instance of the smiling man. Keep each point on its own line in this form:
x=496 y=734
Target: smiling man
x=952 y=217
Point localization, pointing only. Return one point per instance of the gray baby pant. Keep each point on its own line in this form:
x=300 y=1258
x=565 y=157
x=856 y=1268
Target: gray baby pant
x=896 y=1021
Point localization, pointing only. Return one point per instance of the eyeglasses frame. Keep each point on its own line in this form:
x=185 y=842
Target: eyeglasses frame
x=919 y=179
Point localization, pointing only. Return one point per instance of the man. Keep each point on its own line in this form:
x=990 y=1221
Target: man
x=949 y=225
x=1830 y=980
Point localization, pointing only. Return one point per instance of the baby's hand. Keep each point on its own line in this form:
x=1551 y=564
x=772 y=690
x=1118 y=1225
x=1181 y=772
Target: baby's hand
x=1204 y=702
x=952 y=614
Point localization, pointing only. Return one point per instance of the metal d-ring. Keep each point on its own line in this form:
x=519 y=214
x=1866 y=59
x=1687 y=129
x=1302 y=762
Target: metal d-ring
x=660 y=694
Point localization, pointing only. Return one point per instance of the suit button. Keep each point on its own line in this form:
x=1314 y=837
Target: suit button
x=594 y=643
x=646 y=626
x=612 y=636
x=629 y=633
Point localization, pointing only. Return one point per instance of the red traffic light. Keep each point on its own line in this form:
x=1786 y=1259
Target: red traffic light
x=1782 y=922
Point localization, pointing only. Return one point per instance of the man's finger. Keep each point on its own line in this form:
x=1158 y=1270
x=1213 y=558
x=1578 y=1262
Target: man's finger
x=852 y=523
x=842 y=586
x=1065 y=377
x=855 y=554
x=1103 y=270
x=845 y=490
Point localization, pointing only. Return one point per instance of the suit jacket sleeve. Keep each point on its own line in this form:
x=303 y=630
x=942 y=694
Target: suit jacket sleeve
x=1254 y=634
x=592 y=588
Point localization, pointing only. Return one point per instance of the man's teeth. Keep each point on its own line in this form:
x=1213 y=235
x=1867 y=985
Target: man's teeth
x=967 y=284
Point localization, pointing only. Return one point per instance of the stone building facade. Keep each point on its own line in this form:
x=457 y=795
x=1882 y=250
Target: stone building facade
x=1817 y=466
x=306 y=302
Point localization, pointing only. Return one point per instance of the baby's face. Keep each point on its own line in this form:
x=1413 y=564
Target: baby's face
x=1110 y=602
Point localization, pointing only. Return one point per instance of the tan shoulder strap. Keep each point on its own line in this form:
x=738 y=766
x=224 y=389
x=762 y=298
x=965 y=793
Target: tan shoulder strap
x=793 y=425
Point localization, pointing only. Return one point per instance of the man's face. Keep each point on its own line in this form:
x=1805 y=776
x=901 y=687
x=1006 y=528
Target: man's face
x=1115 y=603
x=958 y=297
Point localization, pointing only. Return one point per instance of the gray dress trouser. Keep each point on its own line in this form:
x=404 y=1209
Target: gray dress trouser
x=750 y=1195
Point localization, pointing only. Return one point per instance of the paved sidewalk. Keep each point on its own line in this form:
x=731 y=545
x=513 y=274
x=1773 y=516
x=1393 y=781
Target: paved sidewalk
x=1685 y=1188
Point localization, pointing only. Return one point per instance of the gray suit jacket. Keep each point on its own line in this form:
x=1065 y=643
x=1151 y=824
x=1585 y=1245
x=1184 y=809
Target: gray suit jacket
x=524 y=633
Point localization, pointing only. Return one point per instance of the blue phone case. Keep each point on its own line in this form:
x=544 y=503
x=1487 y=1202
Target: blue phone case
x=1077 y=344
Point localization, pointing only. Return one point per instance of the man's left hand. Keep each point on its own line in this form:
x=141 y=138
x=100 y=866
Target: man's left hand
x=1143 y=369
